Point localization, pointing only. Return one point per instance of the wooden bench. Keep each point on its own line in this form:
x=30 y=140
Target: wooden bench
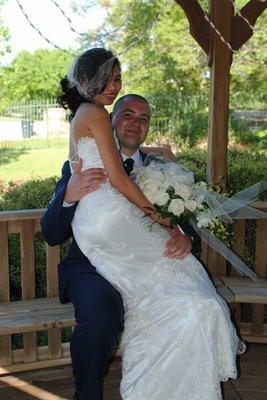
x=30 y=315
x=247 y=299
x=35 y=315
x=237 y=291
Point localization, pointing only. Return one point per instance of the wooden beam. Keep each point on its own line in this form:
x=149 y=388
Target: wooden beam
x=222 y=14
x=241 y=30
x=199 y=27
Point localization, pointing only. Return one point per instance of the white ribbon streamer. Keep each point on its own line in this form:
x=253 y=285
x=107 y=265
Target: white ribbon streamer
x=232 y=208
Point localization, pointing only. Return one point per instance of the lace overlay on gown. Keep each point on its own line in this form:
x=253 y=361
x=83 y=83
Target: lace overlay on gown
x=178 y=342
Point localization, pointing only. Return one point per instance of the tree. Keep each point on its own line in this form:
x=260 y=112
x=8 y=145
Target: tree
x=159 y=63
x=164 y=58
x=4 y=35
x=34 y=75
x=249 y=69
x=161 y=60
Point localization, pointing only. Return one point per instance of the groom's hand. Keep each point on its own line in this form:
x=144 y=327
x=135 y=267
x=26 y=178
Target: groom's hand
x=179 y=246
x=82 y=183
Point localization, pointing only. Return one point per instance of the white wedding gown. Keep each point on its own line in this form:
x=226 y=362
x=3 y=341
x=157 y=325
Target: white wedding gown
x=178 y=342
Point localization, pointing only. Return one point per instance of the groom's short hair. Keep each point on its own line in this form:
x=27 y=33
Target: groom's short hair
x=121 y=100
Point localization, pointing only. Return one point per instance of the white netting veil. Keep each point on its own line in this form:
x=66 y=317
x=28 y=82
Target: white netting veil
x=90 y=71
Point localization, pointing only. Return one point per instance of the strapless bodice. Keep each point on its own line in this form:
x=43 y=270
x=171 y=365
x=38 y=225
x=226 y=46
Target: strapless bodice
x=88 y=152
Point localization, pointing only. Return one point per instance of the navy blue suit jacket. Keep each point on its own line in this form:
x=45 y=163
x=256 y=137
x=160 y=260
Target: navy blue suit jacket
x=56 y=228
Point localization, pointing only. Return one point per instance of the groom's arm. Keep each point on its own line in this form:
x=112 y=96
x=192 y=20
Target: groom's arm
x=56 y=223
x=187 y=229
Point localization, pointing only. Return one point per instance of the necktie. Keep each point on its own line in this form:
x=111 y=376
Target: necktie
x=128 y=165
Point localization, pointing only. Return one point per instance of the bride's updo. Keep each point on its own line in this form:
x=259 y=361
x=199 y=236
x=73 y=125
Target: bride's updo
x=87 y=77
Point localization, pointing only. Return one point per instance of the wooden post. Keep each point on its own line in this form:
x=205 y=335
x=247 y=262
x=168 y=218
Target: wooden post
x=221 y=13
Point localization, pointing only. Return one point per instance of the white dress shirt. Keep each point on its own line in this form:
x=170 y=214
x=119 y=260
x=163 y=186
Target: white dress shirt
x=136 y=157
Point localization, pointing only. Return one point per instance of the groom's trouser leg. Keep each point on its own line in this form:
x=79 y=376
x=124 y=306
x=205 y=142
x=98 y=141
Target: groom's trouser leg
x=99 y=318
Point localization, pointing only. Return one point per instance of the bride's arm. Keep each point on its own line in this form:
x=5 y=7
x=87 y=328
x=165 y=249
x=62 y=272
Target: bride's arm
x=98 y=122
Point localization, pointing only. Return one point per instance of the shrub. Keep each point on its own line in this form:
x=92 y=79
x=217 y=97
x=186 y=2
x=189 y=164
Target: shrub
x=183 y=119
x=35 y=193
x=242 y=133
x=245 y=167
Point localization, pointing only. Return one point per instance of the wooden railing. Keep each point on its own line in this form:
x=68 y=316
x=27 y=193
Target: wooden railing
x=250 y=318
x=27 y=222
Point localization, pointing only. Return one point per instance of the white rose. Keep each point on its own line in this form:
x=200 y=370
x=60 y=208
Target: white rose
x=150 y=186
x=190 y=205
x=160 y=198
x=156 y=194
x=176 y=206
x=183 y=190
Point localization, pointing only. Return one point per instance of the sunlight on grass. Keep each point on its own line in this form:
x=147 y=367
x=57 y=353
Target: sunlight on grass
x=23 y=164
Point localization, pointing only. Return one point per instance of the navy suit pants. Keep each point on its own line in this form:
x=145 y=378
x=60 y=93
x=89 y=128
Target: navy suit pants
x=99 y=317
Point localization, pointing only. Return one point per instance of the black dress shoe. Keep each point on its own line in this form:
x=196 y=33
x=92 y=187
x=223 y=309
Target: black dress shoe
x=75 y=397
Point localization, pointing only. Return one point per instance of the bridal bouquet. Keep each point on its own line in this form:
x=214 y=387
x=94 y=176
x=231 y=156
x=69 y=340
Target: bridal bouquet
x=174 y=193
x=172 y=190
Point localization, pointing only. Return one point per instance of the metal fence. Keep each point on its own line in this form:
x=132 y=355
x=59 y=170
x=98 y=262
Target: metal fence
x=40 y=118
x=45 y=119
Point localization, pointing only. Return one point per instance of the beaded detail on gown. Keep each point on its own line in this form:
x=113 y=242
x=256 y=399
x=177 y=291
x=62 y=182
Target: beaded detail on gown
x=178 y=342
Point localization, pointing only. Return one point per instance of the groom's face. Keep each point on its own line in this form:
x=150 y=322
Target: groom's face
x=131 y=123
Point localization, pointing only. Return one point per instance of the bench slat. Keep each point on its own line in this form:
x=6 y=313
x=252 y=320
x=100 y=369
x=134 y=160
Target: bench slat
x=248 y=295
x=52 y=261
x=245 y=290
x=37 y=322
x=28 y=283
x=5 y=341
x=35 y=314
x=22 y=306
x=243 y=282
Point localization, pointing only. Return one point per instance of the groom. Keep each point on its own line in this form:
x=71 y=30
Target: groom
x=98 y=306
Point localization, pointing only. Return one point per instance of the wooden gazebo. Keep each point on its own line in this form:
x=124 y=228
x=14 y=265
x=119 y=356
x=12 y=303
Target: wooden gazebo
x=219 y=33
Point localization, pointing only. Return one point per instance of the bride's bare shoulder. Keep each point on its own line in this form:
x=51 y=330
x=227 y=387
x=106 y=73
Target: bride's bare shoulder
x=89 y=110
x=87 y=115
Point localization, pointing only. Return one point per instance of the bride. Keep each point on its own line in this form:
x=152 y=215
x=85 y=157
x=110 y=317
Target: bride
x=178 y=342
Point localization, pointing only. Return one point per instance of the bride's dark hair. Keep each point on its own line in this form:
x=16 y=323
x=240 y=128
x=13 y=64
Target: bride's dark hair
x=88 y=77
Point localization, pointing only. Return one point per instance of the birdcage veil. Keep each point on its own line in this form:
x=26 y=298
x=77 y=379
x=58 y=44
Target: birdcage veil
x=89 y=72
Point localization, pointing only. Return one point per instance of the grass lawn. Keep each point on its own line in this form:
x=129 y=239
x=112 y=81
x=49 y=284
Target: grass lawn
x=23 y=164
